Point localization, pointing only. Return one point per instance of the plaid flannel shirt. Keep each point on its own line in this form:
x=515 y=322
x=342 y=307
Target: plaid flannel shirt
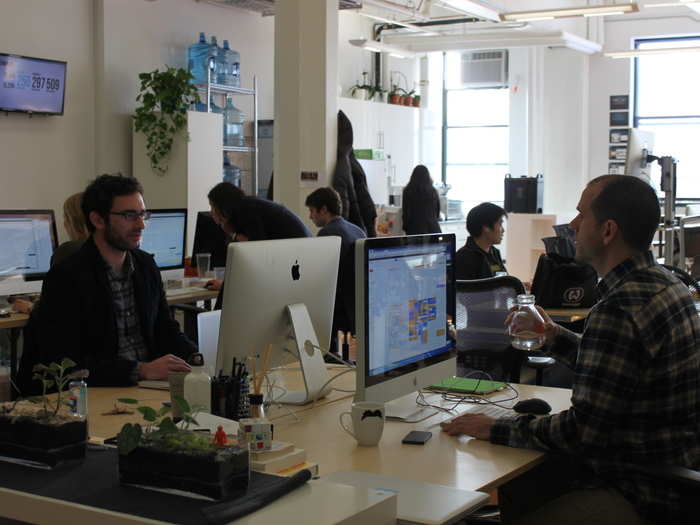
x=636 y=386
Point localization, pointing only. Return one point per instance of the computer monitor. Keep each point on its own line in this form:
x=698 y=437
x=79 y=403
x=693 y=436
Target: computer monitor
x=27 y=242
x=639 y=147
x=210 y=238
x=405 y=301
x=164 y=237
x=280 y=292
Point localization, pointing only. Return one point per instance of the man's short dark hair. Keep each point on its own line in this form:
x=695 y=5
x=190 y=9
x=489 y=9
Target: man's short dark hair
x=100 y=194
x=485 y=214
x=226 y=198
x=327 y=197
x=632 y=204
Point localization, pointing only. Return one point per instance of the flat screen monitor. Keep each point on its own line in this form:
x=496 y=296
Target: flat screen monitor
x=164 y=237
x=27 y=242
x=405 y=302
x=639 y=146
x=210 y=238
x=280 y=293
x=32 y=85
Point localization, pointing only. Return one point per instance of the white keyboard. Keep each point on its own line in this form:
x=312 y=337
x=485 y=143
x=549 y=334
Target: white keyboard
x=486 y=409
x=174 y=292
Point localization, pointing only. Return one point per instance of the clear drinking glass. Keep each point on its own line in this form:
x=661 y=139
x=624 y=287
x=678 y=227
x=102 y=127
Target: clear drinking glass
x=526 y=328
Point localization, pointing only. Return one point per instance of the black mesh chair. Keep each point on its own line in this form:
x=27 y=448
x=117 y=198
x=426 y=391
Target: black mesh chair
x=483 y=342
x=685 y=278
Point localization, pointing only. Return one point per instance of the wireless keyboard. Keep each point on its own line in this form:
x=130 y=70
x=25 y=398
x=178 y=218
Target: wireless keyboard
x=486 y=409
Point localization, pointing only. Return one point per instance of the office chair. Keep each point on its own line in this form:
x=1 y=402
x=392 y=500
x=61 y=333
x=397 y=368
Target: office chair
x=685 y=278
x=686 y=481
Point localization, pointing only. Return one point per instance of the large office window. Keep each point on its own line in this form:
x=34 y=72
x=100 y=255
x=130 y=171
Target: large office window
x=476 y=138
x=667 y=103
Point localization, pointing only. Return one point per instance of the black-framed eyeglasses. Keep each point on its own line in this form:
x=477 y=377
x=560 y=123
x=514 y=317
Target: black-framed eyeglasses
x=131 y=216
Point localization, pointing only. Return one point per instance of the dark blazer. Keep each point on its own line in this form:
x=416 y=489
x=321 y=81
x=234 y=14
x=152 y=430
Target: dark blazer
x=420 y=212
x=76 y=319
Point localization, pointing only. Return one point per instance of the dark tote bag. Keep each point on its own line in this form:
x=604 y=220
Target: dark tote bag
x=560 y=282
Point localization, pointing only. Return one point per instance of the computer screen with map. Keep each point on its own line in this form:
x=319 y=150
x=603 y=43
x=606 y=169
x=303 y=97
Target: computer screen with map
x=27 y=241
x=164 y=237
x=405 y=302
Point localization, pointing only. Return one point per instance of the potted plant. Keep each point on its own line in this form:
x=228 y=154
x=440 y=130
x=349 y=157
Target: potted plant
x=407 y=99
x=380 y=94
x=416 y=101
x=169 y=456
x=395 y=95
x=42 y=431
x=362 y=91
x=165 y=97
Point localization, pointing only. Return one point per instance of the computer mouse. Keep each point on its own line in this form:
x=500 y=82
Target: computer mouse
x=532 y=406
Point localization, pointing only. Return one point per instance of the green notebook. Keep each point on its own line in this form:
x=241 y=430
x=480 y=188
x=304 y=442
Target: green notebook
x=467 y=385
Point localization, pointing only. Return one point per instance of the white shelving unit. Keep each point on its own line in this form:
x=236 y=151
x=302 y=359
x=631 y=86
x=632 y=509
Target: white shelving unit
x=524 y=233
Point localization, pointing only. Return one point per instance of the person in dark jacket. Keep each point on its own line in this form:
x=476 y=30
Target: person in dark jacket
x=350 y=181
x=325 y=212
x=478 y=258
x=420 y=204
x=104 y=307
x=250 y=219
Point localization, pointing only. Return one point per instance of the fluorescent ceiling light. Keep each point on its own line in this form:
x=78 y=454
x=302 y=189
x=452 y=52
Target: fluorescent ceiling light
x=678 y=3
x=643 y=52
x=602 y=10
x=471 y=7
x=493 y=40
x=380 y=47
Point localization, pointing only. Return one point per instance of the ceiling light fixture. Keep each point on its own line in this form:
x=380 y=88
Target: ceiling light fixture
x=471 y=7
x=380 y=47
x=548 y=14
x=632 y=53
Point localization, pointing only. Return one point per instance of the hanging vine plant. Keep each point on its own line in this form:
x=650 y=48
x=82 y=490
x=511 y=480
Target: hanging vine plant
x=165 y=97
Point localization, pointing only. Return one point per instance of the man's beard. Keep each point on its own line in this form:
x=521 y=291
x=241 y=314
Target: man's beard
x=115 y=241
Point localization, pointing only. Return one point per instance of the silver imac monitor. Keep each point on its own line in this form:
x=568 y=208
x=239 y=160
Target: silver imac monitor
x=27 y=242
x=280 y=292
x=405 y=301
x=639 y=145
x=164 y=238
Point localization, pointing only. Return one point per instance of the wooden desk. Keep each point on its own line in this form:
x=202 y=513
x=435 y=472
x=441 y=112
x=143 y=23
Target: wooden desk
x=567 y=315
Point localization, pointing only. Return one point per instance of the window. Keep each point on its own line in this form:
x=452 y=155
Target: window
x=475 y=138
x=667 y=104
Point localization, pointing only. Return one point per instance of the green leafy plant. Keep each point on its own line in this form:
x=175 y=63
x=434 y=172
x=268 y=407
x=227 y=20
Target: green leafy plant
x=161 y=431
x=54 y=375
x=165 y=97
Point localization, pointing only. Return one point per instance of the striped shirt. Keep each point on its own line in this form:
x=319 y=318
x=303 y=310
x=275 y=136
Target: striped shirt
x=131 y=346
x=636 y=386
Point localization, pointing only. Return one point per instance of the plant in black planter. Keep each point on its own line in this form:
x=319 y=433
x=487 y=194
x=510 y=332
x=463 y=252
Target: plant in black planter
x=42 y=431
x=165 y=97
x=167 y=456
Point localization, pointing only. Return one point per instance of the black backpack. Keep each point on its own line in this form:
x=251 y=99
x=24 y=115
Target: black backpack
x=560 y=282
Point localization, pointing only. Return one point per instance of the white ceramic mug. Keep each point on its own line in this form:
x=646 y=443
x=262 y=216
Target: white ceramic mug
x=367 y=422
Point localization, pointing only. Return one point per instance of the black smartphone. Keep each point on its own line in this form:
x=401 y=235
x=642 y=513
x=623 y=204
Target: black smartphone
x=417 y=437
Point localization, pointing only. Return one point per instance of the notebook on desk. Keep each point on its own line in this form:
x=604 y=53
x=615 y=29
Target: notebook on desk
x=154 y=384
x=418 y=502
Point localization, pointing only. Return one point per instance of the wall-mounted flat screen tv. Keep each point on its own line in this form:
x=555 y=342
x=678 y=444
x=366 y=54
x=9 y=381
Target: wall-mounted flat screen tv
x=32 y=85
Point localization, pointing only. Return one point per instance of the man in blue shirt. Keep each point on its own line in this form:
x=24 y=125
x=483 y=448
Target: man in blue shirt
x=325 y=212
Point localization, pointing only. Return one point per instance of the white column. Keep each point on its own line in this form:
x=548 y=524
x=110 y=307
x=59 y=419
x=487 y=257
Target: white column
x=306 y=54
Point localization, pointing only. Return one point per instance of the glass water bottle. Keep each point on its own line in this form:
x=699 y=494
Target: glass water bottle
x=526 y=328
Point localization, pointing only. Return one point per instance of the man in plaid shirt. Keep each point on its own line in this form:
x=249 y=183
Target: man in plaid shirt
x=636 y=368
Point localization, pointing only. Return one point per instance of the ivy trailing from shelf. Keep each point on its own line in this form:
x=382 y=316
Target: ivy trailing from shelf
x=165 y=97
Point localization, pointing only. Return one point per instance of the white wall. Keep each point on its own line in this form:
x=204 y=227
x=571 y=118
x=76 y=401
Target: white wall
x=46 y=159
x=614 y=76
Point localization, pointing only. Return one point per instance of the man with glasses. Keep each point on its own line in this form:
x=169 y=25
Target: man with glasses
x=104 y=307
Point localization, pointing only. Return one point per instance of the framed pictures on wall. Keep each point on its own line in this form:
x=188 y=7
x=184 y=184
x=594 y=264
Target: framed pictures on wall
x=616 y=168
x=619 y=133
x=618 y=153
x=618 y=136
x=619 y=102
x=619 y=118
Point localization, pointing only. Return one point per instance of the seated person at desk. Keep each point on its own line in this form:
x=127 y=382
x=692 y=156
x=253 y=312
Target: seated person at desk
x=636 y=387
x=420 y=204
x=74 y=223
x=325 y=208
x=250 y=219
x=104 y=306
x=478 y=258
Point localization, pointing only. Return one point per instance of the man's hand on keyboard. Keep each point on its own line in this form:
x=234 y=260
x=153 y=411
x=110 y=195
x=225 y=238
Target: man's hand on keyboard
x=161 y=367
x=475 y=425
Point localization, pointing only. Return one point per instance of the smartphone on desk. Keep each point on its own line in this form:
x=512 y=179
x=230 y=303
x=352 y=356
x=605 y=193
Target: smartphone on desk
x=417 y=437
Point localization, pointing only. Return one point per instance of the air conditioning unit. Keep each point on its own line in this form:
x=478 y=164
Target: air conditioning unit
x=485 y=68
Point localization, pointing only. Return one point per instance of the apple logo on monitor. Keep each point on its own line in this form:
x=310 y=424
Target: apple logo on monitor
x=295 y=271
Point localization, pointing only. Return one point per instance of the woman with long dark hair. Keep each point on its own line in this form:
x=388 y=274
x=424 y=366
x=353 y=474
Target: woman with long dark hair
x=420 y=204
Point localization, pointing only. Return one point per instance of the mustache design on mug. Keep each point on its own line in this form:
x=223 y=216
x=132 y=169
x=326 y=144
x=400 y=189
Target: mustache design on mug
x=371 y=413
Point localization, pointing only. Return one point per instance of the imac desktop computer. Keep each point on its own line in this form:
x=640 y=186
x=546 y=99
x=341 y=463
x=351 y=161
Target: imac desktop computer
x=280 y=292
x=27 y=242
x=405 y=304
x=210 y=238
x=164 y=238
